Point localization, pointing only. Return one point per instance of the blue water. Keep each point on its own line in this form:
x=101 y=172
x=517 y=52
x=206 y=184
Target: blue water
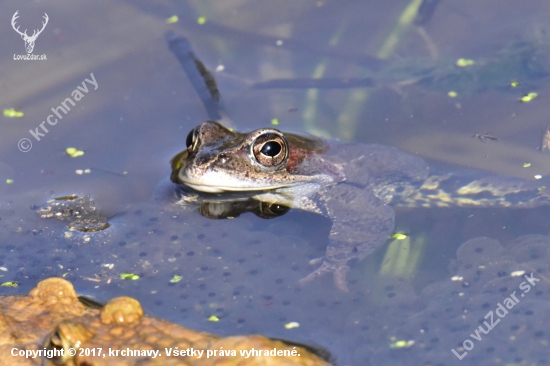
x=245 y=271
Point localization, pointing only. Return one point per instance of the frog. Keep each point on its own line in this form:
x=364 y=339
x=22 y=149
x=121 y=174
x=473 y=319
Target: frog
x=267 y=171
x=354 y=185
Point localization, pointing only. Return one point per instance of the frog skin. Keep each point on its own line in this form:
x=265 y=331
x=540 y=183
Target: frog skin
x=351 y=184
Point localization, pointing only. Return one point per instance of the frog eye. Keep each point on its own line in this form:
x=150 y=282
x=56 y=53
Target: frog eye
x=270 y=149
x=271 y=210
x=191 y=138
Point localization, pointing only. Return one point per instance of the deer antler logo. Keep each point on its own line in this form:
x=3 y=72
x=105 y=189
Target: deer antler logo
x=29 y=40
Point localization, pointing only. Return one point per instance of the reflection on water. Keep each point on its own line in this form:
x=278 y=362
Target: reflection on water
x=245 y=270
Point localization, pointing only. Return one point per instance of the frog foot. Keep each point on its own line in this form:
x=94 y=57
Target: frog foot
x=339 y=271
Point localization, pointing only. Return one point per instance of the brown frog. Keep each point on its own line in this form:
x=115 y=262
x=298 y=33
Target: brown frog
x=351 y=184
x=267 y=171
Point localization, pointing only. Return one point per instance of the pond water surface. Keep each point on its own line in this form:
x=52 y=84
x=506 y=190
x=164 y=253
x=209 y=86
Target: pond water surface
x=245 y=271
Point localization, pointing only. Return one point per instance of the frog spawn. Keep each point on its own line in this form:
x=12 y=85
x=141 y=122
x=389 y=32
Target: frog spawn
x=484 y=274
x=245 y=273
x=80 y=212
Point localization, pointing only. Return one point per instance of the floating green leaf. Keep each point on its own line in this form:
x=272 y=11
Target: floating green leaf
x=129 y=276
x=529 y=97
x=12 y=113
x=401 y=344
x=74 y=152
x=464 y=62
x=9 y=284
x=173 y=19
x=176 y=279
x=399 y=236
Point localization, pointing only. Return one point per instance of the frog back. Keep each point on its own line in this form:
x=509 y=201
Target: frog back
x=389 y=173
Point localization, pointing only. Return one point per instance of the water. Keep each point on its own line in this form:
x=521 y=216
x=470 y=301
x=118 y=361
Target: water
x=245 y=270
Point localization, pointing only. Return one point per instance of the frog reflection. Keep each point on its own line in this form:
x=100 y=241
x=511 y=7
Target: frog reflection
x=268 y=170
x=215 y=209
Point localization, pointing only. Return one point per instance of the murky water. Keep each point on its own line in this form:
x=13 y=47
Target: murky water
x=245 y=271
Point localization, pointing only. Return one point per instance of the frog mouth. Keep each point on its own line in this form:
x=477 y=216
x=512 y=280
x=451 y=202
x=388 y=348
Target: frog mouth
x=218 y=182
x=208 y=188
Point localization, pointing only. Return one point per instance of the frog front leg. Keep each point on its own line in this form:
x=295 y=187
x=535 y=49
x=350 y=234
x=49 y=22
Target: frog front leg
x=361 y=222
